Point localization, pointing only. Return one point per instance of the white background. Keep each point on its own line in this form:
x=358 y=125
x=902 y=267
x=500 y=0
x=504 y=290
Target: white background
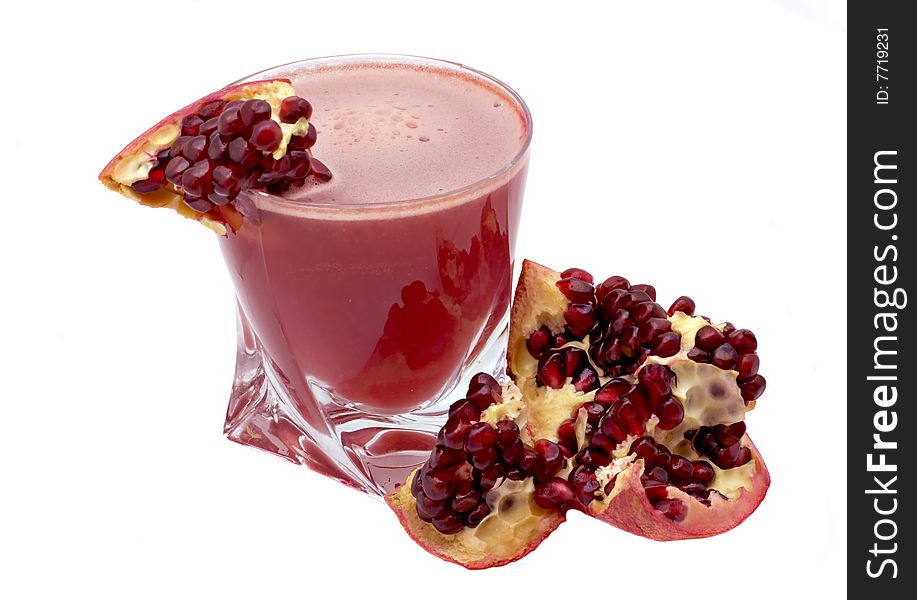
x=698 y=146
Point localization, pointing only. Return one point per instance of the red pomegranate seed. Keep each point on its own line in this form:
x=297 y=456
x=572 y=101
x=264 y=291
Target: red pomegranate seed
x=629 y=416
x=656 y=380
x=174 y=170
x=211 y=109
x=487 y=478
x=637 y=297
x=730 y=434
x=437 y=485
x=681 y=469
x=529 y=461
x=445 y=458
x=584 y=483
x=483 y=396
x=559 y=340
x=647 y=310
x=683 y=304
x=178 y=146
x=667 y=344
x=305 y=141
x=480 y=437
x=747 y=365
x=449 y=522
x=647 y=289
x=428 y=509
x=195 y=148
x=725 y=357
x=198 y=204
x=743 y=340
x=753 y=388
x=300 y=164
x=708 y=338
x=555 y=494
x=580 y=318
x=552 y=370
x=218 y=198
x=216 y=147
x=613 y=428
x=155 y=179
x=703 y=472
x=416 y=488
x=225 y=181
x=507 y=434
x=602 y=442
x=659 y=474
x=230 y=123
x=673 y=508
x=696 y=489
x=594 y=412
x=196 y=179
x=611 y=299
x=484 y=459
x=209 y=127
x=320 y=171
x=467 y=501
x=550 y=459
x=475 y=517
x=538 y=342
x=576 y=290
x=513 y=453
x=241 y=152
x=743 y=457
x=452 y=435
x=254 y=111
x=586 y=380
x=295 y=108
x=654 y=328
x=614 y=282
x=577 y=274
x=566 y=433
x=725 y=456
x=574 y=359
x=594 y=457
x=465 y=410
x=611 y=391
x=654 y=490
x=191 y=125
x=670 y=412
x=698 y=355
x=266 y=136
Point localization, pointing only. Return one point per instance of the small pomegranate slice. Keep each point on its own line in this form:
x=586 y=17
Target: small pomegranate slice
x=244 y=130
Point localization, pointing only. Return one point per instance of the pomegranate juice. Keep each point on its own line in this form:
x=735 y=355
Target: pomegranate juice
x=377 y=288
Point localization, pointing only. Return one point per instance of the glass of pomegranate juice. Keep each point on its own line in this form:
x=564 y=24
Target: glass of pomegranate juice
x=366 y=302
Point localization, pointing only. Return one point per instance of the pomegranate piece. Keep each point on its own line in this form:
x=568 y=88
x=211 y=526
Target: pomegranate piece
x=174 y=163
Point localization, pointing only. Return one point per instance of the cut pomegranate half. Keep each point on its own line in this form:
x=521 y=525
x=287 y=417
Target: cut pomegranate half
x=659 y=448
x=198 y=160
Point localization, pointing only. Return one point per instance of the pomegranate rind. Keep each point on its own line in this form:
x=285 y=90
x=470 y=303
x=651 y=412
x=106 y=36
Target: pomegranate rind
x=136 y=156
x=629 y=509
x=465 y=548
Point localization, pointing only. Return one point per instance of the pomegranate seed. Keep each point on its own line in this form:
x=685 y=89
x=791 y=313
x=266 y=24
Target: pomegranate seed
x=301 y=164
x=730 y=434
x=743 y=340
x=698 y=355
x=656 y=380
x=654 y=490
x=628 y=415
x=747 y=365
x=559 y=340
x=241 y=152
x=225 y=181
x=728 y=328
x=437 y=485
x=428 y=509
x=191 y=125
x=647 y=310
x=696 y=489
x=708 y=338
x=196 y=179
x=612 y=283
x=198 y=204
x=513 y=453
x=416 y=488
x=529 y=461
x=637 y=297
x=295 y=108
x=566 y=433
x=667 y=344
x=725 y=357
x=602 y=442
x=452 y=435
x=658 y=474
x=743 y=457
x=670 y=412
x=155 y=179
x=703 y=472
x=584 y=484
x=445 y=457
x=611 y=391
x=465 y=410
x=586 y=380
x=507 y=434
x=630 y=341
x=578 y=274
x=320 y=171
x=475 y=517
x=611 y=299
x=550 y=459
x=216 y=147
x=209 y=127
x=594 y=412
x=218 y=198
x=673 y=508
x=480 y=437
x=593 y=457
x=654 y=327
x=195 y=148
x=174 y=170
x=681 y=469
x=580 y=318
x=211 y=109
x=449 y=522
x=488 y=477
x=574 y=359
x=467 y=501
x=576 y=290
x=725 y=456
x=253 y=111
x=266 y=136
x=612 y=427
x=230 y=123
x=753 y=388
x=538 y=342
x=552 y=370
x=306 y=141
x=483 y=397
x=647 y=289
x=683 y=304
x=484 y=458
x=555 y=494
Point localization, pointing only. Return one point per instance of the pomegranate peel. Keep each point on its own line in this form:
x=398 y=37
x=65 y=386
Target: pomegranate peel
x=139 y=171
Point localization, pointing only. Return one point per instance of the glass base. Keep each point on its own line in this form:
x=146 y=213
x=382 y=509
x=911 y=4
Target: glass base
x=369 y=452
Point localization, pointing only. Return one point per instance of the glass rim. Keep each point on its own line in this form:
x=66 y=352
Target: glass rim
x=459 y=192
